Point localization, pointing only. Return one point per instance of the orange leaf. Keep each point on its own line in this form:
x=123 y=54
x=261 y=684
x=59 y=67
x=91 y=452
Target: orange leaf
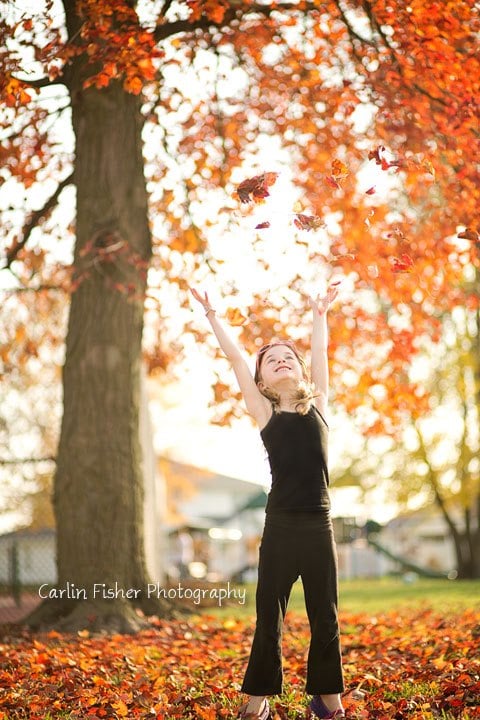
x=235 y=317
x=339 y=170
x=120 y=707
x=133 y=85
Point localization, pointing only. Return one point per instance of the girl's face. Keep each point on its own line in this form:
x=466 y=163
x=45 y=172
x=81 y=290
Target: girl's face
x=279 y=367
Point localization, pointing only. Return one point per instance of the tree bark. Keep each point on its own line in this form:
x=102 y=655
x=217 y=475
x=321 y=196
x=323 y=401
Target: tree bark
x=98 y=493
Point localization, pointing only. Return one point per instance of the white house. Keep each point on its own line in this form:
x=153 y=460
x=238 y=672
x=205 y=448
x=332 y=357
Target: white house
x=421 y=538
x=222 y=515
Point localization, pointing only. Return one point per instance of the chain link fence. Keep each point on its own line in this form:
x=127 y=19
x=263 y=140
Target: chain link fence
x=27 y=560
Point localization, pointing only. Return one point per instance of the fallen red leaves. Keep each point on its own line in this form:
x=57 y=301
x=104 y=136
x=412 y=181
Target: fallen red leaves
x=417 y=665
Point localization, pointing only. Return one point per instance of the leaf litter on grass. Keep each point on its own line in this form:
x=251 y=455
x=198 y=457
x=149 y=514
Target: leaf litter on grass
x=420 y=665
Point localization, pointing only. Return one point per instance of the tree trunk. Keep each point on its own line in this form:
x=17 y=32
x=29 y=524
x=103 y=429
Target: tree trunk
x=98 y=484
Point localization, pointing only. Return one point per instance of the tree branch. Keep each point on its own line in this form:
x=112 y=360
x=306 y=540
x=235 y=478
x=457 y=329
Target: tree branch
x=236 y=13
x=435 y=487
x=24 y=461
x=166 y=7
x=41 y=82
x=37 y=288
x=353 y=33
x=32 y=222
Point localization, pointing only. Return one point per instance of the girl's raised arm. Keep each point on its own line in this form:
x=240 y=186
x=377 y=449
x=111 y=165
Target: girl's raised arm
x=257 y=405
x=320 y=347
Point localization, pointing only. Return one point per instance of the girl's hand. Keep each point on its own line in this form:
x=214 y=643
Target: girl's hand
x=321 y=304
x=204 y=301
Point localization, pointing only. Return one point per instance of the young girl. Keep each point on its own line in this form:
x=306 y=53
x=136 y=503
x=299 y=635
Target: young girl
x=297 y=540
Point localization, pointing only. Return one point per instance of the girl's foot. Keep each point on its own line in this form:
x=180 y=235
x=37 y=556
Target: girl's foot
x=249 y=711
x=320 y=710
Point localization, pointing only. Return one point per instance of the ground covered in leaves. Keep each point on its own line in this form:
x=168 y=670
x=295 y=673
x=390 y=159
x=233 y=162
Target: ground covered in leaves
x=410 y=664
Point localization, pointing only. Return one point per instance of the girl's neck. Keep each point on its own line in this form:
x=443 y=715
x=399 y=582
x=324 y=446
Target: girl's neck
x=288 y=402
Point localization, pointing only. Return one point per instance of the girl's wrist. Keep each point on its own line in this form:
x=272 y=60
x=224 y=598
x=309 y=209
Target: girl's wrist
x=209 y=310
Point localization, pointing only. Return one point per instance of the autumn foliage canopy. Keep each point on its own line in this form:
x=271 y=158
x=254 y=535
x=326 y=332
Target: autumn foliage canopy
x=338 y=93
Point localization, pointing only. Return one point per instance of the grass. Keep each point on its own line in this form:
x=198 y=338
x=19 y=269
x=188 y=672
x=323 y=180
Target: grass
x=374 y=596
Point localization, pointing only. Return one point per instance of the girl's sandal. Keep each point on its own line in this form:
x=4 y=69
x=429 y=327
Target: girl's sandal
x=262 y=714
x=320 y=710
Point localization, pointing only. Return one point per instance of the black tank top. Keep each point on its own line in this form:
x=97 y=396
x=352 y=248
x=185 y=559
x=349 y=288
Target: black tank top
x=297 y=451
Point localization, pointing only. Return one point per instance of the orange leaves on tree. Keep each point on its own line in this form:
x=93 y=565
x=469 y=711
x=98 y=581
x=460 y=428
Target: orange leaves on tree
x=112 y=37
x=14 y=92
x=256 y=188
x=213 y=9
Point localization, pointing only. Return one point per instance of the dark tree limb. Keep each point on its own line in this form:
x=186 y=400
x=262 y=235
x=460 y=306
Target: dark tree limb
x=41 y=82
x=354 y=35
x=24 y=461
x=237 y=12
x=33 y=221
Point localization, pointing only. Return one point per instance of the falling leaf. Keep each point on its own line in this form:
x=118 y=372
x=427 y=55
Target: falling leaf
x=427 y=164
x=370 y=191
x=377 y=155
x=339 y=170
x=307 y=222
x=372 y=271
x=469 y=234
x=262 y=225
x=331 y=181
x=256 y=188
x=235 y=317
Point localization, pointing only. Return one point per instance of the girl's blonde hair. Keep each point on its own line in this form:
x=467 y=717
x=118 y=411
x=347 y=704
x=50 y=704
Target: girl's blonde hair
x=305 y=391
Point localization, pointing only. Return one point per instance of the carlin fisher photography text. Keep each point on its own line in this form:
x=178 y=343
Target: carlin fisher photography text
x=102 y=591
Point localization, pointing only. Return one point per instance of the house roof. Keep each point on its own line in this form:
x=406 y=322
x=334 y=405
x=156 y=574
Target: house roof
x=198 y=494
x=207 y=479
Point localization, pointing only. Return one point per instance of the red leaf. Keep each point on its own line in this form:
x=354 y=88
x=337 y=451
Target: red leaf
x=402 y=264
x=256 y=187
x=370 y=191
x=469 y=234
x=331 y=181
x=375 y=154
x=262 y=225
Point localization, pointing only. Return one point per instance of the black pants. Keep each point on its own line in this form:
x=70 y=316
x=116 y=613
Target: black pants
x=293 y=545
